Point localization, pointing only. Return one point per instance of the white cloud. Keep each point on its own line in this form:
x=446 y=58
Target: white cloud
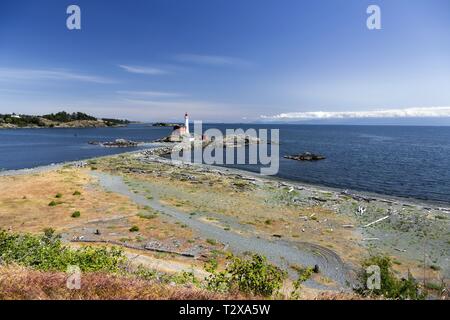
x=49 y=74
x=211 y=60
x=422 y=112
x=143 y=70
x=152 y=94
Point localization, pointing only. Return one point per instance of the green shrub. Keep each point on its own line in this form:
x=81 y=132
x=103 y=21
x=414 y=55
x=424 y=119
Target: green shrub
x=211 y=265
x=77 y=193
x=76 y=214
x=54 y=203
x=391 y=287
x=47 y=253
x=58 y=195
x=251 y=276
x=303 y=275
x=134 y=229
x=184 y=277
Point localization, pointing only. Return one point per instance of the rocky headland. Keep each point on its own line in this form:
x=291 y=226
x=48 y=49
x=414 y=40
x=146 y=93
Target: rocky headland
x=58 y=120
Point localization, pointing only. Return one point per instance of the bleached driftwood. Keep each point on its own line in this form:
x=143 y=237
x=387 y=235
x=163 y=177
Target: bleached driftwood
x=370 y=239
x=82 y=239
x=376 y=221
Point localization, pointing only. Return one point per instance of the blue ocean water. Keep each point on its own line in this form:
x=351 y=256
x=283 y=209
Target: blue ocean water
x=406 y=161
x=28 y=148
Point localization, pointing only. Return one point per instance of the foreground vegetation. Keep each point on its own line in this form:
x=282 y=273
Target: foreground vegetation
x=47 y=253
x=34 y=266
x=44 y=258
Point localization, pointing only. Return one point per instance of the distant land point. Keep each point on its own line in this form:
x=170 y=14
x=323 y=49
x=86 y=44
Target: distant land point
x=58 y=120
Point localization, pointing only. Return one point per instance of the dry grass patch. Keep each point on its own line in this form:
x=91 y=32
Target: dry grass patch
x=20 y=283
x=32 y=202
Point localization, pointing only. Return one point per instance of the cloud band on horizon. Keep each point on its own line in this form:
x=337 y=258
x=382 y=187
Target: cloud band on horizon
x=419 y=112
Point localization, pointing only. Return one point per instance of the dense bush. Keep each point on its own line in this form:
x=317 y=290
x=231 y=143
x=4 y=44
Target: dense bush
x=68 y=117
x=391 y=287
x=47 y=253
x=250 y=276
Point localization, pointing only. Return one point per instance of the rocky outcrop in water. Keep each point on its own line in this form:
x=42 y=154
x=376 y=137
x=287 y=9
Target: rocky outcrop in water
x=165 y=124
x=118 y=143
x=307 y=156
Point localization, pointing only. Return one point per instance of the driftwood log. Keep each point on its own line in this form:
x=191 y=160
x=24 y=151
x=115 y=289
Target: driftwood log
x=130 y=246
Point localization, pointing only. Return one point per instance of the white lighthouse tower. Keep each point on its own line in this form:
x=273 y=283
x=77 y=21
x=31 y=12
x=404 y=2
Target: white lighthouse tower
x=186 y=123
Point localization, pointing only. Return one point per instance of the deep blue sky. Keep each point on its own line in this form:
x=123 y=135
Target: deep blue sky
x=227 y=60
